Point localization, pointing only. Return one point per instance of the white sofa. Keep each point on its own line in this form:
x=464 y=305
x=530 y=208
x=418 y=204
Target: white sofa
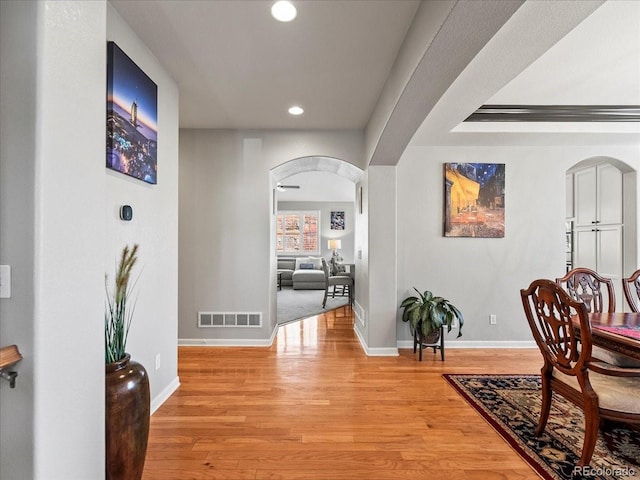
x=303 y=273
x=308 y=273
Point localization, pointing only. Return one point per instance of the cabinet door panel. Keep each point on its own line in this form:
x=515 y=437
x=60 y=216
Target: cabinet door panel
x=609 y=194
x=585 y=248
x=585 y=197
x=609 y=250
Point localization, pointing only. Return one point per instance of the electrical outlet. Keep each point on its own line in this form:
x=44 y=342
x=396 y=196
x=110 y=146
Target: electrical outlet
x=492 y=319
x=158 y=361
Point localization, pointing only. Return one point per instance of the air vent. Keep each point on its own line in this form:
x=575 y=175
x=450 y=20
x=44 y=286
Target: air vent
x=229 y=319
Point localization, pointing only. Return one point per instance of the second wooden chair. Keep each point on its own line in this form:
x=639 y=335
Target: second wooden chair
x=589 y=287
x=631 y=287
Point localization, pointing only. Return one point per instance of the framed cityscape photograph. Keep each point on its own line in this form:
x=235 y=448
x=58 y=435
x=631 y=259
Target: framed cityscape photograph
x=132 y=118
x=474 y=200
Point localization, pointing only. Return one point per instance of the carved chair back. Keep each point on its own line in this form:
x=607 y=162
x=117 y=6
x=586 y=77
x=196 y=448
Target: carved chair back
x=589 y=287
x=549 y=310
x=631 y=287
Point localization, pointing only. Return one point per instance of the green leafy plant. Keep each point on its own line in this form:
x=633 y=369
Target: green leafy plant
x=428 y=313
x=117 y=313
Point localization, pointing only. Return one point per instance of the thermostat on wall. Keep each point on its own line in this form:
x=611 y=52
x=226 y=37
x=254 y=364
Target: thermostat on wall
x=126 y=213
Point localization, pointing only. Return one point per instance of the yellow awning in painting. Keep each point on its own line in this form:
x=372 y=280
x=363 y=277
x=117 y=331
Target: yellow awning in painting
x=464 y=191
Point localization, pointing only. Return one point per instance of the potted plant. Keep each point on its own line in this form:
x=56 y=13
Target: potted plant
x=127 y=396
x=427 y=316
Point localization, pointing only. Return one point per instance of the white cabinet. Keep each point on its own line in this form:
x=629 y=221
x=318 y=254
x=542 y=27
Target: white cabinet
x=598 y=196
x=598 y=224
x=600 y=249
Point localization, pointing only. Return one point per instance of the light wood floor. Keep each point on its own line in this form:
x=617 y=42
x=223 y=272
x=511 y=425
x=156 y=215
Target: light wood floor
x=314 y=406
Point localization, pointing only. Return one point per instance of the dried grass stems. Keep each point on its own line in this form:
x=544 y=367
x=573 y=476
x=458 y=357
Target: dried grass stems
x=117 y=313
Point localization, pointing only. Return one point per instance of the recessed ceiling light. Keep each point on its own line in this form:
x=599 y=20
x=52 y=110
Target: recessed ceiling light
x=283 y=11
x=296 y=110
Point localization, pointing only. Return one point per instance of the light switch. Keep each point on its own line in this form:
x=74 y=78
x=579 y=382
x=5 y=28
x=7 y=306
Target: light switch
x=5 y=281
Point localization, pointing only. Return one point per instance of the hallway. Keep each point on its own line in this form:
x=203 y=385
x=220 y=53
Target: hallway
x=314 y=406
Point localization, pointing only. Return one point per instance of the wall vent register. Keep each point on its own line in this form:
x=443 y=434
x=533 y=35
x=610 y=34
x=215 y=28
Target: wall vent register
x=229 y=319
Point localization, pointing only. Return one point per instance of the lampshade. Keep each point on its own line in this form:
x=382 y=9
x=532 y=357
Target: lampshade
x=334 y=244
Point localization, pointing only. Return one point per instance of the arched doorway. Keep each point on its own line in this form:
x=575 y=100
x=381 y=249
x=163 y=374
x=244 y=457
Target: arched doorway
x=602 y=218
x=322 y=190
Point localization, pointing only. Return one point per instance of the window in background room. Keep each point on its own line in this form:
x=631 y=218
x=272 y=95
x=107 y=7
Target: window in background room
x=298 y=232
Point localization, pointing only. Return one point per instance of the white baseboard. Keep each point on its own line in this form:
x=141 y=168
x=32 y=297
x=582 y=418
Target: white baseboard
x=164 y=395
x=478 y=344
x=375 y=352
x=228 y=342
x=370 y=351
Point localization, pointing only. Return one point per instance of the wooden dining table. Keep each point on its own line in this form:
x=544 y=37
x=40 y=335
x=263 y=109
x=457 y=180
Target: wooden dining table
x=619 y=332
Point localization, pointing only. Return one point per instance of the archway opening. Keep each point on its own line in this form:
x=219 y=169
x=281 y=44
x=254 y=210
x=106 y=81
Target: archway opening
x=601 y=218
x=314 y=203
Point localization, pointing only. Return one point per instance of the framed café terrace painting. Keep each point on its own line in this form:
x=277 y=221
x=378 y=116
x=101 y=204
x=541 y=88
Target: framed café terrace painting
x=474 y=200
x=132 y=118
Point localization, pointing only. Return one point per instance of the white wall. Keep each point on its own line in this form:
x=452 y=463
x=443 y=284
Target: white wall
x=227 y=255
x=18 y=67
x=361 y=300
x=60 y=235
x=384 y=251
x=484 y=276
x=154 y=227
x=70 y=193
x=53 y=60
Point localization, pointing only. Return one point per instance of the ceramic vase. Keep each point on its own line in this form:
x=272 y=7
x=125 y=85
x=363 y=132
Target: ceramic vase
x=127 y=419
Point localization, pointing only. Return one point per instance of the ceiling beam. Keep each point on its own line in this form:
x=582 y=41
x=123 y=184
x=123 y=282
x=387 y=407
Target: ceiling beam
x=556 y=113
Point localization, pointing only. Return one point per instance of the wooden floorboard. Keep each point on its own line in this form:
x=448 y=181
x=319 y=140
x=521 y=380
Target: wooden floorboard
x=315 y=407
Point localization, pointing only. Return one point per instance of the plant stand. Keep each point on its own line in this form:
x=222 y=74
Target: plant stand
x=435 y=341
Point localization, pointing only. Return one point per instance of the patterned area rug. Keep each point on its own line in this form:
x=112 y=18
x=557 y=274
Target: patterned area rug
x=511 y=405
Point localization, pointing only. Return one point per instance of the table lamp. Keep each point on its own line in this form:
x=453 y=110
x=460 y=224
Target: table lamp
x=335 y=245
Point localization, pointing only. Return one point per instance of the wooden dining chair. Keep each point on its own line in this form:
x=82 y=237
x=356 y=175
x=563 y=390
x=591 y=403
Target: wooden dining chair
x=601 y=390
x=587 y=286
x=631 y=288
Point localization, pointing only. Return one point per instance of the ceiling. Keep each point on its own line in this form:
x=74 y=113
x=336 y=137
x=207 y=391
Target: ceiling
x=317 y=187
x=596 y=63
x=236 y=67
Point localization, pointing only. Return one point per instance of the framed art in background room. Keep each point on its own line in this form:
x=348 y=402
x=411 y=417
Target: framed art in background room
x=132 y=118
x=474 y=200
x=337 y=220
